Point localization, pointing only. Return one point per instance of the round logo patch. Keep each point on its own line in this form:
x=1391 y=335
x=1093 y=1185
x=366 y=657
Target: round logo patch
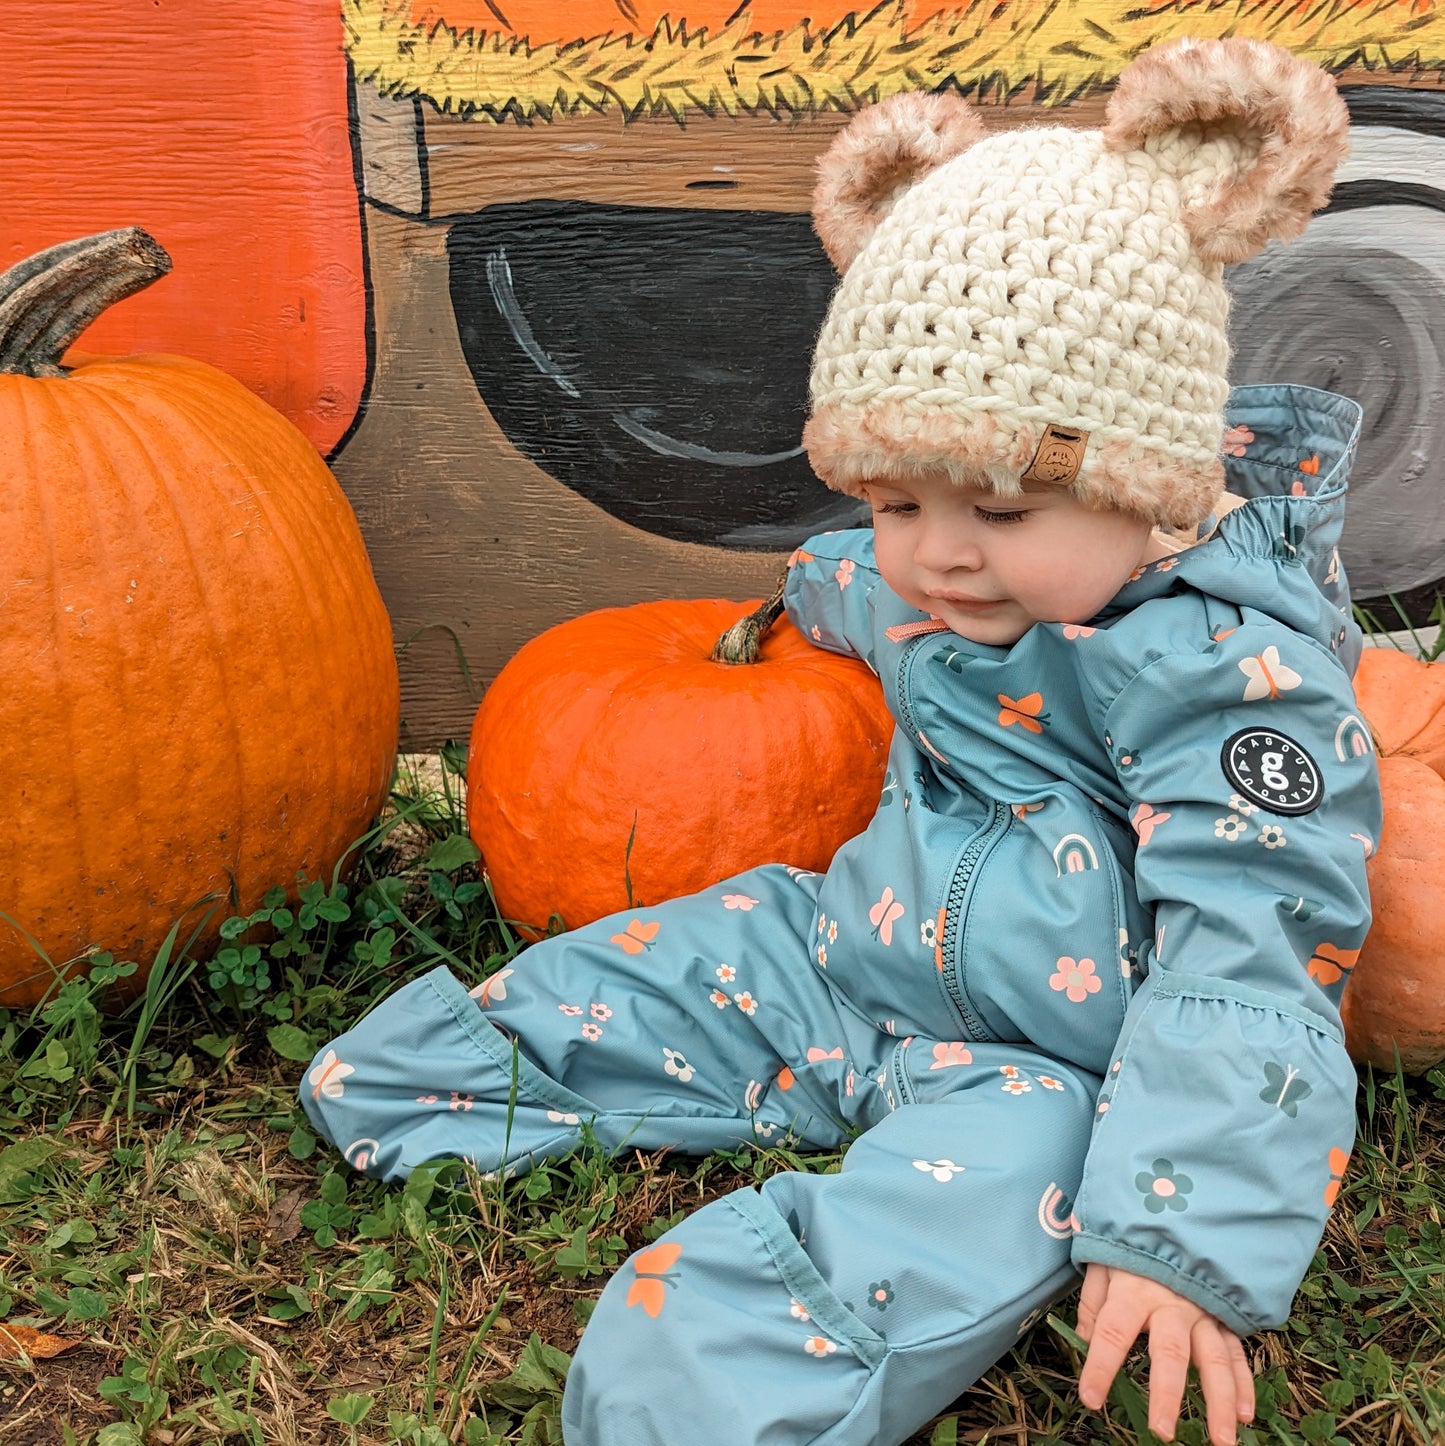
x=1273 y=770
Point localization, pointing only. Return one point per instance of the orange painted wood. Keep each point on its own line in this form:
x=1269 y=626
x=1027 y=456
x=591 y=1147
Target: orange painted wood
x=222 y=129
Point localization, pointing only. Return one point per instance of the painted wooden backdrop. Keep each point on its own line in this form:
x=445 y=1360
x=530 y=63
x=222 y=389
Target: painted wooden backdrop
x=537 y=275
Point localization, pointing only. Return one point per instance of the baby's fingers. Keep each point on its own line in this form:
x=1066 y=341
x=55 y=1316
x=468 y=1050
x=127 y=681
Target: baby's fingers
x=1210 y=1346
x=1113 y=1335
x=1243 y=1377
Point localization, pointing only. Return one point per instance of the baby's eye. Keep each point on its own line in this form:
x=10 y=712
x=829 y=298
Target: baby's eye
x=1001 y=517
x=899 y=509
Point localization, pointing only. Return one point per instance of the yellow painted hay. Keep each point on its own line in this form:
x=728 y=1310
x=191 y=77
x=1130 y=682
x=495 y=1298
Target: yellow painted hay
x=1050 y=50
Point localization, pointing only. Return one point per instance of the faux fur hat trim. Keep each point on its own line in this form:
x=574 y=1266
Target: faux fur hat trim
x=882 y=151
x=849 y=447
x=1287 y=110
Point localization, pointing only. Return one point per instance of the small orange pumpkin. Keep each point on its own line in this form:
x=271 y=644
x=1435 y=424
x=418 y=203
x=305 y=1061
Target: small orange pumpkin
x=613 y=763
x=199 y=689
x=1396 y=994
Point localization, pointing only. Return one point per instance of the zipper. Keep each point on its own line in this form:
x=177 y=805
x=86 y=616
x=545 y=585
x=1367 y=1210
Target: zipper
x=905 y=708
x=973 y=852
x=968 y=863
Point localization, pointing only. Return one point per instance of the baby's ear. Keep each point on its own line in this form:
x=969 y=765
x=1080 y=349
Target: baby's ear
x=1252 y=134
x=880 y=153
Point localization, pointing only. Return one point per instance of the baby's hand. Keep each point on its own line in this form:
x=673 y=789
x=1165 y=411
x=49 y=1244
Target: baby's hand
x=1116 y=1306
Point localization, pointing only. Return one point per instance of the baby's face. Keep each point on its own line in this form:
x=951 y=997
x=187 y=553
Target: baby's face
x=991 y=567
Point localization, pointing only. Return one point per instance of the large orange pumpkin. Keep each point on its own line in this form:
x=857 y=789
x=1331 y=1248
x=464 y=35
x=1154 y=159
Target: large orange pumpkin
x=1396 y=995
x=199 y=688
x=613 y=763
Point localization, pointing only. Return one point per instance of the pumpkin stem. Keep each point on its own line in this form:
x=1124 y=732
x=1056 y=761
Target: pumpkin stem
x=47 y=300
x=744 y=640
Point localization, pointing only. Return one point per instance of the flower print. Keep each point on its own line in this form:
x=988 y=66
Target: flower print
x=820 y=1346
x=1242 y=805
x=559 y=1118
x=1049 y=1082
x=1272 y=836
x=1017 y=1087
x=1163 y=1188
x=1229 y=828
x=600 y=1012
x=1128 y=955
x=833 y=932
x=763 y=1130
x=890 y=784
x=928 y=932
x=719 y=998
x=570 y=1009
x=844 y=574
x=1010 y=1071
x=461 y=1102
x=739 y=901
x=941 y=1170
x=946 y=1056
x=1236 y=439
x=426 y=1099
x=491 y=989
x=592 y=1031
x=882 y=915
x=1333 y=575
x=746 y=1003
x=798 y=1310
x=1268 y=677
x=1126 y=758
x=1329 y=963
x=726 y=973
x=1076 y=979
x=636 y=937
x=325 y=1078
x=822 y=922
x=816 y=632
x=1075 y=630
x=1027 y=712
x=1146 y=818
x=677 y=1066
x=1138 y=572
x=1167 y=564
x=822 y=956
x=1339 y=1159
x=880 y=1294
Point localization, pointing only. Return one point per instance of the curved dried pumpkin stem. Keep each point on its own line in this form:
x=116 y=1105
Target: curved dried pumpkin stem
x=744 y=640
x=47 y=300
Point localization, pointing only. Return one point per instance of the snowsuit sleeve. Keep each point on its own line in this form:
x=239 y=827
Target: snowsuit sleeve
x=1228 y=1114
x=832 y=592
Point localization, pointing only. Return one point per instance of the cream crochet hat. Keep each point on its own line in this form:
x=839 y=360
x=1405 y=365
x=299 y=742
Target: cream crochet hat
x=1048 y=304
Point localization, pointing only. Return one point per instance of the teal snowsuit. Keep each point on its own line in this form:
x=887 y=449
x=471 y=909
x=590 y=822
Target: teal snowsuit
x=1073 y=995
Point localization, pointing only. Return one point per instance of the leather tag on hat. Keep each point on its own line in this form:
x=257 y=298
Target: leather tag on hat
x=1059 y=457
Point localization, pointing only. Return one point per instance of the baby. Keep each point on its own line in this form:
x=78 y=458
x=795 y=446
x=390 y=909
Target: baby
x=1073 y=995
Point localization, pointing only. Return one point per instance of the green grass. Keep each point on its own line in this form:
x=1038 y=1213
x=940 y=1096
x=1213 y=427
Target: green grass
x=164 y=1202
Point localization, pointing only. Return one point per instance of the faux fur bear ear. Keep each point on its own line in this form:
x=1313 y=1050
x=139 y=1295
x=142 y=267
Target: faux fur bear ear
x=1252 y=133
x=880 y=153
